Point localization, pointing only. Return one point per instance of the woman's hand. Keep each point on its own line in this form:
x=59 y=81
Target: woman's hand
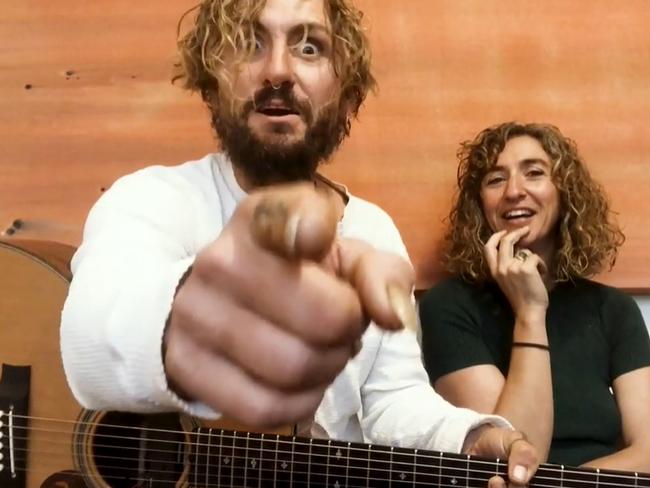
x=518 y=272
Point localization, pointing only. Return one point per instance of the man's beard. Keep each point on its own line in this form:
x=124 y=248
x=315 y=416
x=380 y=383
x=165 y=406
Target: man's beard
x=266 y=163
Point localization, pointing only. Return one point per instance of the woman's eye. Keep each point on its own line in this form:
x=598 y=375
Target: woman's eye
x=535 y=173
x=493 y=180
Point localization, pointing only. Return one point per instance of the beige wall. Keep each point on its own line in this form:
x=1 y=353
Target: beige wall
x=85 y=97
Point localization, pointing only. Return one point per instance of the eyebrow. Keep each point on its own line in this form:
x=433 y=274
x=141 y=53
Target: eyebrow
x=309 y=27
x=524 y=162
x=532 y=161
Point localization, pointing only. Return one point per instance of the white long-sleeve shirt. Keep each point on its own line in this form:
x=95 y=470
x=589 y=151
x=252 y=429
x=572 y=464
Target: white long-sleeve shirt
x=140 y=238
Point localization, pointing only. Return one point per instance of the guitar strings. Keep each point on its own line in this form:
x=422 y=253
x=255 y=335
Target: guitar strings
x=442 y=469
x=321 y=444
x=301 y=477
x=271 y=438
x=432 y=477
x=282 y=438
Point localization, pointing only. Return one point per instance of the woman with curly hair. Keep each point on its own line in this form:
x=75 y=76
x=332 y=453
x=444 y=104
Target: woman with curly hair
x=520 y=330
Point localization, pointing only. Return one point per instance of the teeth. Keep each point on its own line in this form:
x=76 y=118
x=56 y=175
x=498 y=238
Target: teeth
x=518 y=213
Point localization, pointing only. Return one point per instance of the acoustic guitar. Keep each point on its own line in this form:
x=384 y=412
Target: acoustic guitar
x=47 y=440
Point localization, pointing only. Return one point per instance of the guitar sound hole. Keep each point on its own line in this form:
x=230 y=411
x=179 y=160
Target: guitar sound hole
x=131 y=450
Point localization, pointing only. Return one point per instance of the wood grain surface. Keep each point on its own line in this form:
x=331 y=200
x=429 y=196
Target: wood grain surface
x=85 y=96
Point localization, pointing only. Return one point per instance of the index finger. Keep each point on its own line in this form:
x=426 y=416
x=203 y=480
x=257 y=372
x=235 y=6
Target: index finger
x=507 y=245
x=383 y=280
x=491 y=250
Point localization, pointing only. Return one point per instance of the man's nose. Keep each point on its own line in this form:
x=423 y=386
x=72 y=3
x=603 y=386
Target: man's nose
x=278 y=68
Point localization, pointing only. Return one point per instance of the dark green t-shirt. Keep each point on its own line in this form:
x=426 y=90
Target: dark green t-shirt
x=596 y=333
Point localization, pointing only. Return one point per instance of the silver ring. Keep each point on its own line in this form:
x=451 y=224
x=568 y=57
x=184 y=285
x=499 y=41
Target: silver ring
x=276 y=87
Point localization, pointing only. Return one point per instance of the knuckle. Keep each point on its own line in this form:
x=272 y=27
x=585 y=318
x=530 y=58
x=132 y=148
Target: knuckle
x=265 y=411
x=211 y=262
x=296 y=368
x=341 y=319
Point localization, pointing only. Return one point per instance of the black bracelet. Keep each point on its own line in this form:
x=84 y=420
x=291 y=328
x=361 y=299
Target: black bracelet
x=530 y=344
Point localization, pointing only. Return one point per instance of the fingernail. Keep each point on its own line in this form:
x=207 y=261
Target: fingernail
x=290 y=233
x=401 y=303
x=519 y=473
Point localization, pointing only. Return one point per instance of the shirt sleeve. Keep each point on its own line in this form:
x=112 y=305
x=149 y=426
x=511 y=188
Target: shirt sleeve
x=401 y=408
x=451 y=335
x=139 y=239
x=630 y=345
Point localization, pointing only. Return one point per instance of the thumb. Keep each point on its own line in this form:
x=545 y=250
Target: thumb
x=293 y=221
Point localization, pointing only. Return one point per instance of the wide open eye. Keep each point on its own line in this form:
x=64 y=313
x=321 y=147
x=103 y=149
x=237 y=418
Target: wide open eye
x=310 y=48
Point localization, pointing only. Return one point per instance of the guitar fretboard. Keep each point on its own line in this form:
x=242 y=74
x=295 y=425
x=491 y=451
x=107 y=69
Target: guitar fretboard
x=222 y=458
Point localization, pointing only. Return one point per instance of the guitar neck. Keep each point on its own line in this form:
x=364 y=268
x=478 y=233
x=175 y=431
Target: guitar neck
x=231 y=458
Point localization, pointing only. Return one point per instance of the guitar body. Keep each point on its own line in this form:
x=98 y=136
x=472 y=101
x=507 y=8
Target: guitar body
x=34 y=278
x=57 y=443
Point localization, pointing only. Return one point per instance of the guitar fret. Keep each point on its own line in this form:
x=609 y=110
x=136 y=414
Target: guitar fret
x=579 y=479
x=293 y=462
x=478 y=471
x=318 y=465
x=283 y=462
x=239 y=459
x=301 y=462
x=254 y=461
x=368 y=470
x=390 y=470
x=207 y=459
x=268 y=473
x=225 y=459
x=380 y=475
x=358 y=465
x=643 y=481
x=337 y=465
x=401 y=473
x=454 y=474
x=216 y=459
x=246 y=460
x=607 y=479
x=194 y=457
x=415 y=464
x=327 y=465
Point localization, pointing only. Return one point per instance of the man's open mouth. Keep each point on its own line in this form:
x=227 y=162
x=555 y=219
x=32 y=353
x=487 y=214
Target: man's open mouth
x=277 y=111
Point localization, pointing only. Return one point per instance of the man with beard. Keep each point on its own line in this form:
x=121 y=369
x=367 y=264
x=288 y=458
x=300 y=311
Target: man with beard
x=243 y=283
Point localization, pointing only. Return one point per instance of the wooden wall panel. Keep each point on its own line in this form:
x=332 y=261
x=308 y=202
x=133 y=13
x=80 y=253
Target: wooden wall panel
x=85 y=96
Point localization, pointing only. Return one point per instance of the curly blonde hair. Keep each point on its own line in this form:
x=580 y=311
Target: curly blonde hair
x=223 y=26
x=588 y=236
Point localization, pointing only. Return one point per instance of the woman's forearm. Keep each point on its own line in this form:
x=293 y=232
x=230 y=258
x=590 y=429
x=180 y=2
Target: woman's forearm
x=527 y=396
